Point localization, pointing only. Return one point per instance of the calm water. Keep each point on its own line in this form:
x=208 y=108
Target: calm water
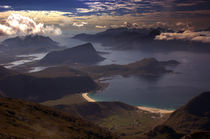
x=169 y=91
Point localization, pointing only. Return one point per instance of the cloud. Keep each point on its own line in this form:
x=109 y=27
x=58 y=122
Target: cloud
x=80 y=24
x=84 y=10
x=100 y=27
x=17 y=24
x=202 y=36
x=5 y=7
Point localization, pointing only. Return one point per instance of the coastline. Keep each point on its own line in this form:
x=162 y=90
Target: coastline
x=155 y=110
x=148 y=109
x=87 y=98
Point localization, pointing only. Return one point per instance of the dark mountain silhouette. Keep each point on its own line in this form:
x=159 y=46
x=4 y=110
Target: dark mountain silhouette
x=22 y=119
x=191 y=121
x=192 y=117
x=28 y=44
x=40 y=89
x=142 y=39
x=83 y=54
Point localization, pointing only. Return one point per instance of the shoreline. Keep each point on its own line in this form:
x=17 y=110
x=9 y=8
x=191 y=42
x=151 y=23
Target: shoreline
x=148 y=109
x=155 y=110
x=87 y=98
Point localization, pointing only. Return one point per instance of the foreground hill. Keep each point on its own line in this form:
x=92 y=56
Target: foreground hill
x=40 y=88
x=192 y=117
x=83 y=54
x=191 y=121
x=22 y=119
x=143 y=39
x=28 y=44
x=120 y=118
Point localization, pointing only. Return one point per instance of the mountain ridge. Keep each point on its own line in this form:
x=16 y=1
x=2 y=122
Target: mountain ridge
x=82 y=54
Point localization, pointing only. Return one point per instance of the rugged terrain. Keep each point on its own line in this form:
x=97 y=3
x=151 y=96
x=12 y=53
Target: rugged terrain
x=22 y=119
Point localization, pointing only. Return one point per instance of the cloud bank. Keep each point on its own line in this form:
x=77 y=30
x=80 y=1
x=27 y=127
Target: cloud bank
x=202 y=36
x=17 y=24
x=79 y=24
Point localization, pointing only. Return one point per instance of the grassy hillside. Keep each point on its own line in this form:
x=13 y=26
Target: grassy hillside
x=119 y=118
x=22 y=119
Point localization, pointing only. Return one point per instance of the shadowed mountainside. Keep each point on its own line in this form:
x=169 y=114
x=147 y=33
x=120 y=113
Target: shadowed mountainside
x=192 y=117
x=191 y=121
x=82 y=54
x=22 y=119
x=43 y=88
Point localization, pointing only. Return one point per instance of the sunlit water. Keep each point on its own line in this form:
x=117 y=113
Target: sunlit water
x=25 y=59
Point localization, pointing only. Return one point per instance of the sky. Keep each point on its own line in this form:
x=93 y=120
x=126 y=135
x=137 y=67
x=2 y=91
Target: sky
x=59 y=16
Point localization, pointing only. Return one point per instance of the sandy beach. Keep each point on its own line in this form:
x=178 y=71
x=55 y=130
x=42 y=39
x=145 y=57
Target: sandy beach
x=155 y=110
x=149 y=109
x=86 y=97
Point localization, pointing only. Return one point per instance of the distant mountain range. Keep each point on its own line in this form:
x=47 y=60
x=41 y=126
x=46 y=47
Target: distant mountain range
x=82 y=54
x=142 y=39
x=28 y=44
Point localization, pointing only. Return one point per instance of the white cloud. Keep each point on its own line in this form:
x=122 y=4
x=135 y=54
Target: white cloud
x=17 y=24
x=5 y=7
x=202 y=36
x=84 y=10
x=101 y=27
x=114 y=26
x=80 y=24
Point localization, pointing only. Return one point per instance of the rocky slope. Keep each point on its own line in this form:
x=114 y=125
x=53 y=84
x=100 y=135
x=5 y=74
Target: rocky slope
x=22 y=119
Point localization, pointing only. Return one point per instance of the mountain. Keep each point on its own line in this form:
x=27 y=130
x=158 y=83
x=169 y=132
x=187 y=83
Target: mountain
x=142 y=39
x=28 y=44
x=40 y=88
x=22 y=119
x=144 y=67
x=82 y=54
x=192 y=117
x=191 y=121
